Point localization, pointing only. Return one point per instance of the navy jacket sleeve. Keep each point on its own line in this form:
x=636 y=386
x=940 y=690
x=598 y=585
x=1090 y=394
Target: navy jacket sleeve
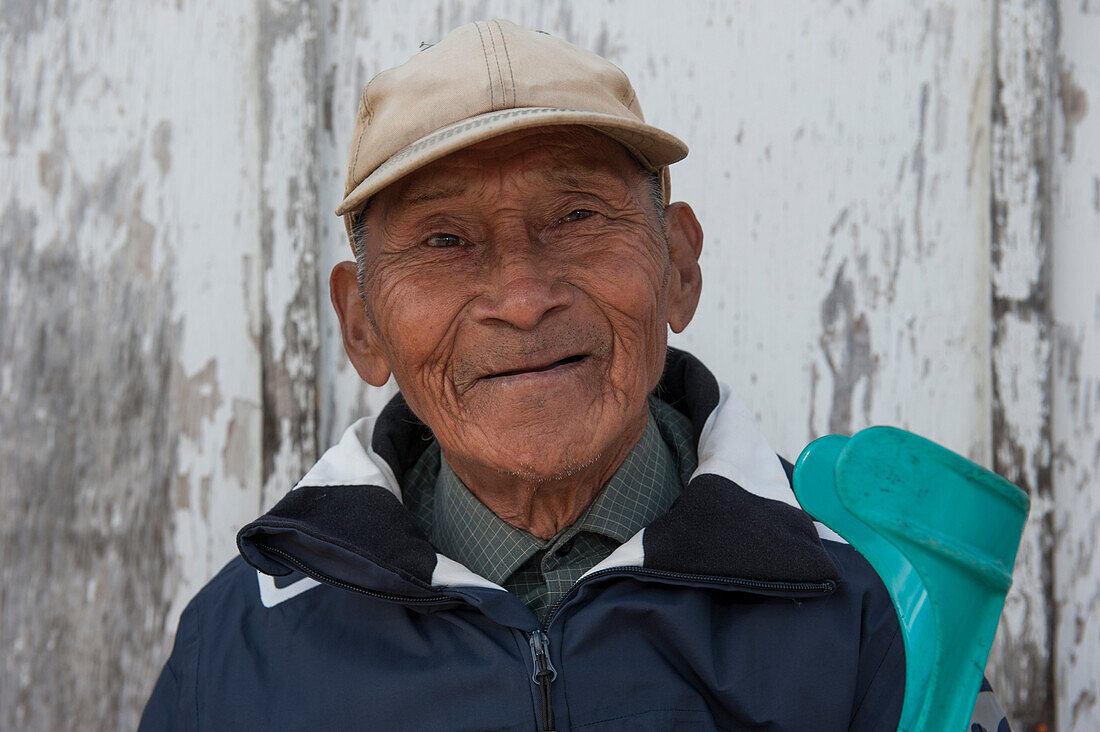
x=880 y=686
x=173 y=704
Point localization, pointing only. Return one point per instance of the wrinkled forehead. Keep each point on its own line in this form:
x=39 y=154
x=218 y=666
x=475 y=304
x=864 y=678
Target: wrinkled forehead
x=557 y=158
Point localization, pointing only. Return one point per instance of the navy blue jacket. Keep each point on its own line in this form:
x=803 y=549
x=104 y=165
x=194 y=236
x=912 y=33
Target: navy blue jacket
x=734 y=610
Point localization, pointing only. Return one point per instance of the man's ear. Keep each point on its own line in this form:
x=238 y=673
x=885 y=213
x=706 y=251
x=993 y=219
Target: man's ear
x=360 y=339
x=685 y=242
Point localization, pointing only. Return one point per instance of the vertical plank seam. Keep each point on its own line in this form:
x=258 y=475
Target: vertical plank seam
x=1035 y=306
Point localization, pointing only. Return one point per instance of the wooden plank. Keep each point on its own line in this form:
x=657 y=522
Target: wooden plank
x=129 y=407
x=288 y=119
x=1075 y=403
x=1020 y=668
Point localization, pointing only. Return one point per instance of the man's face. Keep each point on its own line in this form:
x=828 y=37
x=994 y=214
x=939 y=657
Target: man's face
x=519 y=291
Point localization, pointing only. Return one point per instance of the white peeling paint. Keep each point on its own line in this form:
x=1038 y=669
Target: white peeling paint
x=1023 y=391
x=1076 y=379
x=211 y=190
x=288 y=121
x=1021 y=660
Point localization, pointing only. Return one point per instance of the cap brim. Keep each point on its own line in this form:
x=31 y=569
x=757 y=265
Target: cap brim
x=653 y=147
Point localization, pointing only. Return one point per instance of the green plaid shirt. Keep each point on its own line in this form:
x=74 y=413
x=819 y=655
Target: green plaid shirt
x=541 y=571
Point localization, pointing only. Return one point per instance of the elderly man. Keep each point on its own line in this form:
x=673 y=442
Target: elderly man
x=560 y=523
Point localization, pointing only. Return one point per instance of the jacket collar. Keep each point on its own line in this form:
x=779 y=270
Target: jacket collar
x=737 y=517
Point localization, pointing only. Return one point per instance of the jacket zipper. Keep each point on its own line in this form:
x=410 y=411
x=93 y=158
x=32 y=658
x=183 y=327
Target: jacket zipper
x=320 y=577
x=543 y=671
x=543 y=675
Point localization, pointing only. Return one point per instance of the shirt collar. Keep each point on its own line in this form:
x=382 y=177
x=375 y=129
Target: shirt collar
x=643 y=488
x=465 y=530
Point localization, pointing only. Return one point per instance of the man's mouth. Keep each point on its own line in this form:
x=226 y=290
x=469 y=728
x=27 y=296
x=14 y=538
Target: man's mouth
x=576 y=358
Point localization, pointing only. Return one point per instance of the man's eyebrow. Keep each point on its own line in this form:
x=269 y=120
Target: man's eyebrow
x=426 y=193
x=573 y=177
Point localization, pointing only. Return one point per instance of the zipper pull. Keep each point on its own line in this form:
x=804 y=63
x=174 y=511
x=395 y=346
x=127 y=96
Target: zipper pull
x=540 y=655
x=543 y=675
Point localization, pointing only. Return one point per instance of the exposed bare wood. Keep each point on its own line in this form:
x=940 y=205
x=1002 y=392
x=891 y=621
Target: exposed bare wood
x=288 y=117
x=1021 y=668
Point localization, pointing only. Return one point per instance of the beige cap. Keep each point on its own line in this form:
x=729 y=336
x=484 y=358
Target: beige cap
x=482 y=80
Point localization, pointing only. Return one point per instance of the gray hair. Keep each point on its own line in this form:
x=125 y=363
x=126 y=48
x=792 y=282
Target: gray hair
x=359 y=246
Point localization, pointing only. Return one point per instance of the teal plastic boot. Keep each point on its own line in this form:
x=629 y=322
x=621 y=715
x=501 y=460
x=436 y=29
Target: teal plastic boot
x=942 y=533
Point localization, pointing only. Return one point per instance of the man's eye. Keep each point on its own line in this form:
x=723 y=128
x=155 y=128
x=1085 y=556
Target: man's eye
x=444 y=240
x=578 y=215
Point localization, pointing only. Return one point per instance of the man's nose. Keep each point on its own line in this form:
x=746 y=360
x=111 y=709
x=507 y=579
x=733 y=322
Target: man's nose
x=522 y=287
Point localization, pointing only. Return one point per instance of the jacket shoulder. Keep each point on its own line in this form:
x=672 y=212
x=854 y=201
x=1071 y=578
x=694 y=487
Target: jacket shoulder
x=234 y=582
x=880 y=683
x=232 y=593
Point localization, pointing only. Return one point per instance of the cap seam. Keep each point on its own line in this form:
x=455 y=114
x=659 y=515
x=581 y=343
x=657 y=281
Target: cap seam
x=488 y=71
x=508 y=58
x=366 y=99
x=629 y=88
x=350 y=183
x=633 y=96
x=500 y=75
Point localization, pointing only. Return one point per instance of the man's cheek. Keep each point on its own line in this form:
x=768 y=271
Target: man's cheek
x=634 y=314
x=624 y=276
x=640 y=339
x=414 y=323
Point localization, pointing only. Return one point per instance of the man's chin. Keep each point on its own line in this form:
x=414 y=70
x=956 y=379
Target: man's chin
x=549 y=471
x=549 y=437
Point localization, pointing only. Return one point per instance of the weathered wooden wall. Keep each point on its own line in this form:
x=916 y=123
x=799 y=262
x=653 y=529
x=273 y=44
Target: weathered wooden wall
x=1074 y=300
x=129 y=390
x=902 y=207
x=1023 y=36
